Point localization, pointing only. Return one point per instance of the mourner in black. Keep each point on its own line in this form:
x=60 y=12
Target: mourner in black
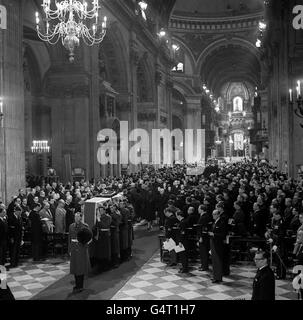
x=170 y=226
x=182 y=239
x=36 y=232
x=264 y=281
x=15 y=236
x=204 y=225
x=3 y=235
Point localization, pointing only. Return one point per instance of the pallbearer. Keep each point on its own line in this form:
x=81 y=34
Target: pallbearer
x=115 y=236
x=130 y=229
x=102 y=239
x=125 y=216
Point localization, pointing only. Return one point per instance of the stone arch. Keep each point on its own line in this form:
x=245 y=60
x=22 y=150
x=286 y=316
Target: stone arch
x=112 y=51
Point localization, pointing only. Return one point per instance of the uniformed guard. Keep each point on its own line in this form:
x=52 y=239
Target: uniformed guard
x=130 y=228
x=78 y=250
x=102 y=239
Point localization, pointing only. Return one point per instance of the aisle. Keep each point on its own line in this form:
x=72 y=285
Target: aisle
x=105 y=285
x=156 y=281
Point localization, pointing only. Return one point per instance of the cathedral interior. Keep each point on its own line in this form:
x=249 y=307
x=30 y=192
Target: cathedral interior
x=232 y=68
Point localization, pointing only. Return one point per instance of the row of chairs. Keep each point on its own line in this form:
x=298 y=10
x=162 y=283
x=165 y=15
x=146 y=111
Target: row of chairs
x=55 y=243
x=240 y=248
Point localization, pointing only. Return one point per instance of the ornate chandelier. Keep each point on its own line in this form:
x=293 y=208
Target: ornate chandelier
x=66 y=20
x=40 y=146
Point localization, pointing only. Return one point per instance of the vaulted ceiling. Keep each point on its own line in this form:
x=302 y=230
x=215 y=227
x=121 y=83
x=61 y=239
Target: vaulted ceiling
x=217 y=8
x=230 y=63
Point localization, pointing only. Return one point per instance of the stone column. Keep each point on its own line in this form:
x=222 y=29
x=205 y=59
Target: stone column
x=193 y=119
x=134 y=60
x=12 y=153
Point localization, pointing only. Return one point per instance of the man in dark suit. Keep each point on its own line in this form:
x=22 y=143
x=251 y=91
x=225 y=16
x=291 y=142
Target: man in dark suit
x=264 y=281
x=218 y=235
x=36 y=232
x=182 y=240
x=170 y=224
x=3 y=235
x=15 y=236
x=204 y=224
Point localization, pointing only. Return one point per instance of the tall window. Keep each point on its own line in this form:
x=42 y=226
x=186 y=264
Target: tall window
x=238 y=104
x=238 y=141
x=180 y=61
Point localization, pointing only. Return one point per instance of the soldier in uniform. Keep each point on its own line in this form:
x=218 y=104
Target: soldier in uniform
x=264 y=281
x=125 y=216
x=218 y=235
x=115 y=237
x=275 y=236
x=102 y=239
x=79 y=256
x=130 y=228
x=204 y=223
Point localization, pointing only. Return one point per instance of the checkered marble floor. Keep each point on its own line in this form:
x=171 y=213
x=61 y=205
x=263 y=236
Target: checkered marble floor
x=156 y=281
x=29 y=278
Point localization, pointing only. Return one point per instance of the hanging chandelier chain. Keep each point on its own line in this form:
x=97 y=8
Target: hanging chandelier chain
x=67 y=20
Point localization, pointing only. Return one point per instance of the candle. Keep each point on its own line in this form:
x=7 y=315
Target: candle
x=299 y=89
x=290 y=95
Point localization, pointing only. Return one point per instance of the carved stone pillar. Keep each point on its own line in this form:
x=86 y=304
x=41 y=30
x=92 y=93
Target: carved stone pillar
x=12 y=154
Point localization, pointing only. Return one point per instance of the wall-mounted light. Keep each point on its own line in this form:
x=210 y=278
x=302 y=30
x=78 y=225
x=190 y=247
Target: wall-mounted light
x=162 y=33
x=175 y=47
x=262 y=26
x=258 y=43
x=143 y=6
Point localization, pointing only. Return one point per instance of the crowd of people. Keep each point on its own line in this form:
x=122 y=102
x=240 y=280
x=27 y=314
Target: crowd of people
x=244 y=199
